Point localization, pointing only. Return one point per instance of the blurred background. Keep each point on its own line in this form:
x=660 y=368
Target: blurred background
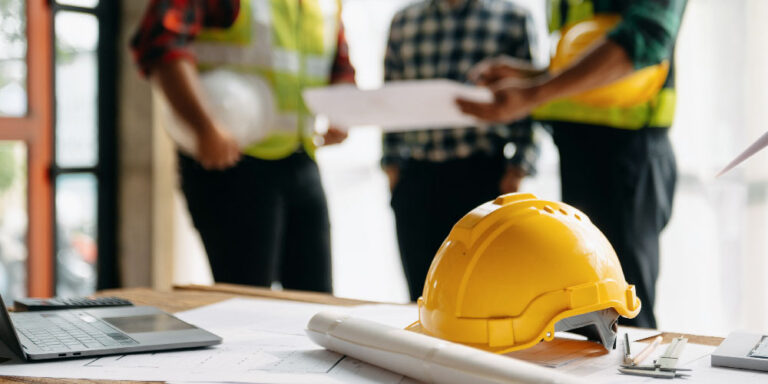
x=88 y=194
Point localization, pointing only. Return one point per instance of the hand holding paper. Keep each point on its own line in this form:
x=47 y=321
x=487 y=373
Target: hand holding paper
x=398 y=106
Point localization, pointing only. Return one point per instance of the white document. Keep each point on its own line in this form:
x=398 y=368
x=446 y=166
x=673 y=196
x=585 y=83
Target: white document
x=422 y=357
x=398 y=106
x=756 y=147
x=264 y=342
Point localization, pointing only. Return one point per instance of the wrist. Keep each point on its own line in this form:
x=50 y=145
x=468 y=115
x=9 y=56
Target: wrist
x=205 y=130
x=539 y=92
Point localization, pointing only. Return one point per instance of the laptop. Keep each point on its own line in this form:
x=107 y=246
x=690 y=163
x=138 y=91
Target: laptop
x=72 y=333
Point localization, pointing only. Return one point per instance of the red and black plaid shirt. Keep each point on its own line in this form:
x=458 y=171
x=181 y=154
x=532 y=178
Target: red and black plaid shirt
x=169 y=26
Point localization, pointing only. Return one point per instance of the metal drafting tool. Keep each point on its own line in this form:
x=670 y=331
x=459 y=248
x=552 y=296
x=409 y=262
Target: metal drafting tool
x=627 y=353
x=665 y=367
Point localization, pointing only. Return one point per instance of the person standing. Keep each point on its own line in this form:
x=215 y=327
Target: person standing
x=261 y=212
x=616 y=162
x=437 y=176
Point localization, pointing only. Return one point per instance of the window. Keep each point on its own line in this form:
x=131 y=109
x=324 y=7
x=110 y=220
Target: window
x=13 y=52
x=84 y=161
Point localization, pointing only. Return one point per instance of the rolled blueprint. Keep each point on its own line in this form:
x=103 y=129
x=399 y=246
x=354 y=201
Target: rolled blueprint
x=421 y=357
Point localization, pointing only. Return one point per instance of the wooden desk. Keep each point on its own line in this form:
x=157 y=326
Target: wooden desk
x=189 y=297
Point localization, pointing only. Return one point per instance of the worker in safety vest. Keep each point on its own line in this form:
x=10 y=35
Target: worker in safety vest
x=611 y=129
x=260 y=209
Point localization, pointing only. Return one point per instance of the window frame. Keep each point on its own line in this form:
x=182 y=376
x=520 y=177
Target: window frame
x=35 y=129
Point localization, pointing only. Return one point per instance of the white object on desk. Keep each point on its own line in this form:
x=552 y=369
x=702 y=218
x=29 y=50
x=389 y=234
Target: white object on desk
x=264 y=342
x=743 y=350
x=422 y=357
x=398 y=106
x=754 y=148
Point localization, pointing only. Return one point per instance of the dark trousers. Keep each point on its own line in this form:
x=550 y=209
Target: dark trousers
x=262 y=221
x=429 y=199
x=624 y=181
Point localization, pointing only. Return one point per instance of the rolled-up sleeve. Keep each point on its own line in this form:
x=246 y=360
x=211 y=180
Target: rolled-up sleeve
x=648 y=30
x=168 y=26
x=342 y=70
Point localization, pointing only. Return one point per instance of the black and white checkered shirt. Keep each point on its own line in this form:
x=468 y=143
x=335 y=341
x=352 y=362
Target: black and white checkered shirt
x=432 y=39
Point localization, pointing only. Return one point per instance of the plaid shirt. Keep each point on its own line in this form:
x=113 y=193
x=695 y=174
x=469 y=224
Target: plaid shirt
x=431 y=39
x=169 y=26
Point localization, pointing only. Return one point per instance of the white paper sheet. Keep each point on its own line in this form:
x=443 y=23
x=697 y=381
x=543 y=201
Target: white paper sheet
x=264 y=341
x=754 y=148
x=603 y=369
x=398 y=106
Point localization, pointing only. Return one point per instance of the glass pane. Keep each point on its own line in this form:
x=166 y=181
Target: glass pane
x=76 y=237
x=79 y=3
x=13 y=53
x=77 y=36
x=13 y=220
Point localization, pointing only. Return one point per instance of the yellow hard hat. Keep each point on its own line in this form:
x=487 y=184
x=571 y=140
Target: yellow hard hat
x=635 y=89
x=515 y=270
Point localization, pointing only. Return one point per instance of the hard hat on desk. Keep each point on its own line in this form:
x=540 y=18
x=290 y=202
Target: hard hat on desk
x=515 y=270
x=242 y=104
x=637 y=88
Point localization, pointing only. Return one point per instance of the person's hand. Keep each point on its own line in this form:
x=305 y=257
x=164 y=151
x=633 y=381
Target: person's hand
x=216 y=149
x=334 y=135
x=513 y=99
x=513 y=83
x=510 y=181
x=495 y=69
x=393 y=175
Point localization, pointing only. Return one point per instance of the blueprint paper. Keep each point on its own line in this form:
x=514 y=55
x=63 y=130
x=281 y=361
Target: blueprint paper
x=422 y=357
x=264 y=342
x=397 y=106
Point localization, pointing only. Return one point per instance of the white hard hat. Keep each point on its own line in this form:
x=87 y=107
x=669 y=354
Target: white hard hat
x=241 y=103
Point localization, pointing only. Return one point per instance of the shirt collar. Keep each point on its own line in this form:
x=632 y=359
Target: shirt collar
x=445 y=6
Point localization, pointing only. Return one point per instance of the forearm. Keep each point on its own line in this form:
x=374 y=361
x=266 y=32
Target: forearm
x=605 y=64
x=179 y=82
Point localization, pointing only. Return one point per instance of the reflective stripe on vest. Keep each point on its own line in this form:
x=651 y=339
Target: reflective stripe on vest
x=291 y=44
x=659 y=112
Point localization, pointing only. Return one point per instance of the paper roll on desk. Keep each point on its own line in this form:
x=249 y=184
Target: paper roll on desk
x=421 y=357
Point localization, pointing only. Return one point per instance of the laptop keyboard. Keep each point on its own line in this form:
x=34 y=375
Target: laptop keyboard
x=65 y=331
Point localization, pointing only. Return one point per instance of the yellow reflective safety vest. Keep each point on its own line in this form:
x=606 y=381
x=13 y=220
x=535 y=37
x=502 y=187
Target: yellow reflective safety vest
x=291 y=45
x=658 y=111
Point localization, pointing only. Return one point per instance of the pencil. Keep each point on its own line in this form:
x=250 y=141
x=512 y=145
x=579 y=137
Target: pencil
x=647 y=351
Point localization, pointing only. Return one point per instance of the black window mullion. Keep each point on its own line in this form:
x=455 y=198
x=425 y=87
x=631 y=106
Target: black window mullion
x=106 y=264
x=70 y=170
x=75 y=8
